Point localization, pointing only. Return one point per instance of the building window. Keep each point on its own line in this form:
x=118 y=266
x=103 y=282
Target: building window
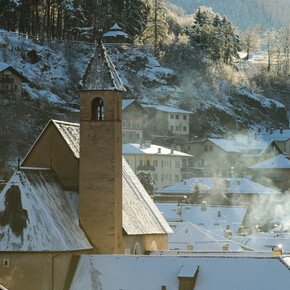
x=161 y=163
x=171 y=116
x=177 y=164
x=155 y=177
x=123 y=135
x=176 y=117
x=131 y=124
x=141 y=162
x=148 y=162
x=176 y=177
x=138 y=136
x=137 y=124
x=184 y=117
x=184 y=128
x=205 y=148
x=170 y=178
x=155 y=163
x=176 y=128
x=124 y=124
x=171 y=128
x=98 y=109
x=210 y=148
x=162 y=177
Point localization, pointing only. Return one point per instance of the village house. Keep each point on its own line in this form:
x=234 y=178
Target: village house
x=188 y=236
x=273 y=172
x=215 y=218
x=219 y=191
x=166 y=121
x=228 y=157
x=184 y=270
x=74 y=194
x=167 y=166
x=11 y=80
x=134 y=117
x=280 y=136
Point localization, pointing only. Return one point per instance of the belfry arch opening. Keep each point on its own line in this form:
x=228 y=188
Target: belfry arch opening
x=98 y=109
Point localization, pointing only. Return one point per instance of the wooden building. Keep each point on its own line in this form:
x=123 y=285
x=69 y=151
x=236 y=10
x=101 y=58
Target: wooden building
x=11 y=80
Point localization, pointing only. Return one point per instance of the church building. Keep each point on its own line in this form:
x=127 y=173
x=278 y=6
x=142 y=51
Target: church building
x=75 y=194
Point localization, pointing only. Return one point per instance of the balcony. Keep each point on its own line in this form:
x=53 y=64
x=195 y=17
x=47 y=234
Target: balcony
x=147 y=168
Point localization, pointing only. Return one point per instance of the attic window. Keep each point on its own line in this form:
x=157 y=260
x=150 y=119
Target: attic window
x=98 y=109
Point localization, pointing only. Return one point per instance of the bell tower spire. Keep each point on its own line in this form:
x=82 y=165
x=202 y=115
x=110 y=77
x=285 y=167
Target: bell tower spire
x=100 y=192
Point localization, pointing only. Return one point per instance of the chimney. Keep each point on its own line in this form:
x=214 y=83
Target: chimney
x=281 y=130
x=225 y=247
x=184 y=181
x=178 y=148
x=159 y=150
x=267 y=130
x=277 y=250
x=271 y=130
x=259 y=130
x=171 y=151
x=239 y=182
x=203 y=205
x=219 y=213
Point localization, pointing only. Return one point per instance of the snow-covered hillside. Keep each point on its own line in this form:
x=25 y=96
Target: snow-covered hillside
x=244 y=13
x=55 y=69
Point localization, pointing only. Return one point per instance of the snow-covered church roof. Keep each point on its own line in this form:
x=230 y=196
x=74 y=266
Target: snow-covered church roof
x=36 y=215
x=140 y=215
x=101 y=74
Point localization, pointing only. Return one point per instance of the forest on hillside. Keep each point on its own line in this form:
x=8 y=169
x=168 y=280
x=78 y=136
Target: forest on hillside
x=202 y=52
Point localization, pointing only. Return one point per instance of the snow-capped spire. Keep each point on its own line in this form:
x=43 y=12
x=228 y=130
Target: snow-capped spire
x=101 y=74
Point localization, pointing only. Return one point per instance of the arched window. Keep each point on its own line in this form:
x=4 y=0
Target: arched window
x=98 y=109
x=153 y=246
x=137 y=249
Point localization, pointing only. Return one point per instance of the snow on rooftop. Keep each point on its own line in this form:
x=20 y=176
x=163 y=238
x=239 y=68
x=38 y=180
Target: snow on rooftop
x=3 y=66
x=71 y=134
x=276 y=162
x=153 y=272
x=277 y=135
x=101 y=73
x=115 y=34
x=126 y=103
x=167 y=109
x=237 y=186
x=266 y=241
x=140 y=214
x=137 y=205
x=246 y=146
x=231 y=216
x=115 y=27
x=36 y=215
x=188 y=234
x=141 y=149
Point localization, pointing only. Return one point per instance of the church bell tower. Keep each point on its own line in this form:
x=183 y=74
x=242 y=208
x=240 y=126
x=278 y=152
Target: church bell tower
x=100 y=184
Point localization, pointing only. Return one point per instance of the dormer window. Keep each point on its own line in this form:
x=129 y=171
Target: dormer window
x=98 y=109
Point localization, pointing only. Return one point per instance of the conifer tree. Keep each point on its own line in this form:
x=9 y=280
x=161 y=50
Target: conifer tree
x=156 y=31
x=136 y=15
